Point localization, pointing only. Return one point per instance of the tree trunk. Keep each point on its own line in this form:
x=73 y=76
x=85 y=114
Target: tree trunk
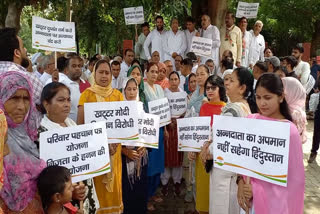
x=13 y=16
x=315 y=44
x=217 y=10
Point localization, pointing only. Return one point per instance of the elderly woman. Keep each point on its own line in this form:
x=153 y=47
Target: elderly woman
x=56 y=105
x=162 y=80
x=22 y=165
x=108 y=186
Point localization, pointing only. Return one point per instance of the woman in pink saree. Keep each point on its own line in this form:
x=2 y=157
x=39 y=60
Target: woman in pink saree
x=264 y=197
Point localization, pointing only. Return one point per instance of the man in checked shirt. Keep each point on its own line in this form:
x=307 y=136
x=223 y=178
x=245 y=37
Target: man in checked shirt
x=13 y=57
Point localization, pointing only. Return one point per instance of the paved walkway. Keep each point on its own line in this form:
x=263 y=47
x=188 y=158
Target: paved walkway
x=312 y=192
x=176 y=205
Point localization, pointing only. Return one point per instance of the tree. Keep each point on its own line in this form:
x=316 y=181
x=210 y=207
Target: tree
x=288 y=22
x=11 y=11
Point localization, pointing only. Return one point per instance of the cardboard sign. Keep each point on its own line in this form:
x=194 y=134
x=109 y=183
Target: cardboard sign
x=121 y=119
x=248 y=10
x=193 y=132
x=149 y=130
x=53 y=35
x=252 y=147
x=201 y=46
x=133 y=15
x=82 y=149
x=161 y=107
x=178 y=103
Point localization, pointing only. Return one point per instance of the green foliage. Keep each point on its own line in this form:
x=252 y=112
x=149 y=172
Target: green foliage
x=286 y=22
x=102 y=21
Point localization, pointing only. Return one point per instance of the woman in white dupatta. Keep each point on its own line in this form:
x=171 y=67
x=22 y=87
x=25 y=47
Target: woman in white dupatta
x=56 y=104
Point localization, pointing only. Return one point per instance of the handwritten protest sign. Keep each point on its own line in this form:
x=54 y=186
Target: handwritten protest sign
x=178 y=103
x=256 y=148
x=248 y=10
x=161 y=107
x=149 y=130
x=133 y=15
x=82 y=149
x=53 y=35
x=121 y=120
x=201 y=46
x=192 y=133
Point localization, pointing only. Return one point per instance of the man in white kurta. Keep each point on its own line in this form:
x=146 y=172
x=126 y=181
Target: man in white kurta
x=174 y=42
x=155 y=39
x=126 y=64
x=257 y=45
x=189 y=32
x=210 y=32
x=231 y=39
x=246 y=40
x=302 y=70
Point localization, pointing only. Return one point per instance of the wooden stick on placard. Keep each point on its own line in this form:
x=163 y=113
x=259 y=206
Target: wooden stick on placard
x=55 y=59
x=136 y=37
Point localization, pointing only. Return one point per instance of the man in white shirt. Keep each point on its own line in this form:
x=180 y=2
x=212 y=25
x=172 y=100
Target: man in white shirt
x=138 y=48
x=302 y=70
x=210 y=32
x=126 y=64
x=155 y=40
x=231 y=39
x=48 y=65
x=246 y=40
x=74 y=83
x=190 y=32
x=174 y=42
x=195 y=61
x=117 y=80
x=257 y=45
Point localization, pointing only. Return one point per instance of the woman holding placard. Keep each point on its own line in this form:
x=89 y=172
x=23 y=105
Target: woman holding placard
x=55 y=105
x=216 y=94
x=136 y=73
x=156 y=156
x=108 y=186
x=267 y=197
x=173 y=158
x=134 y=164
x=21 y=163
x=202 y=74
x=223 y=187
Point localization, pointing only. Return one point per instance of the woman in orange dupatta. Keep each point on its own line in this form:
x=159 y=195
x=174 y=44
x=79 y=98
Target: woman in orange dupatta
x=108 y=186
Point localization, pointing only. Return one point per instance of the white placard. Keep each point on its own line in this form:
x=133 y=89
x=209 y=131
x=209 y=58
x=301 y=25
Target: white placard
x=161 y=107
x=53 y=35
x=193 y=132
x=133 y=15
x=121 y=119
x=252 y=147
x=149 y=130
x=248 y=10
x=82 y=149
x=201 y=46
x=178 y=103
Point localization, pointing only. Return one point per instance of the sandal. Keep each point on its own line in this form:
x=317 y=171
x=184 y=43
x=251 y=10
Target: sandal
x=150 y=207
x=157 y=199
